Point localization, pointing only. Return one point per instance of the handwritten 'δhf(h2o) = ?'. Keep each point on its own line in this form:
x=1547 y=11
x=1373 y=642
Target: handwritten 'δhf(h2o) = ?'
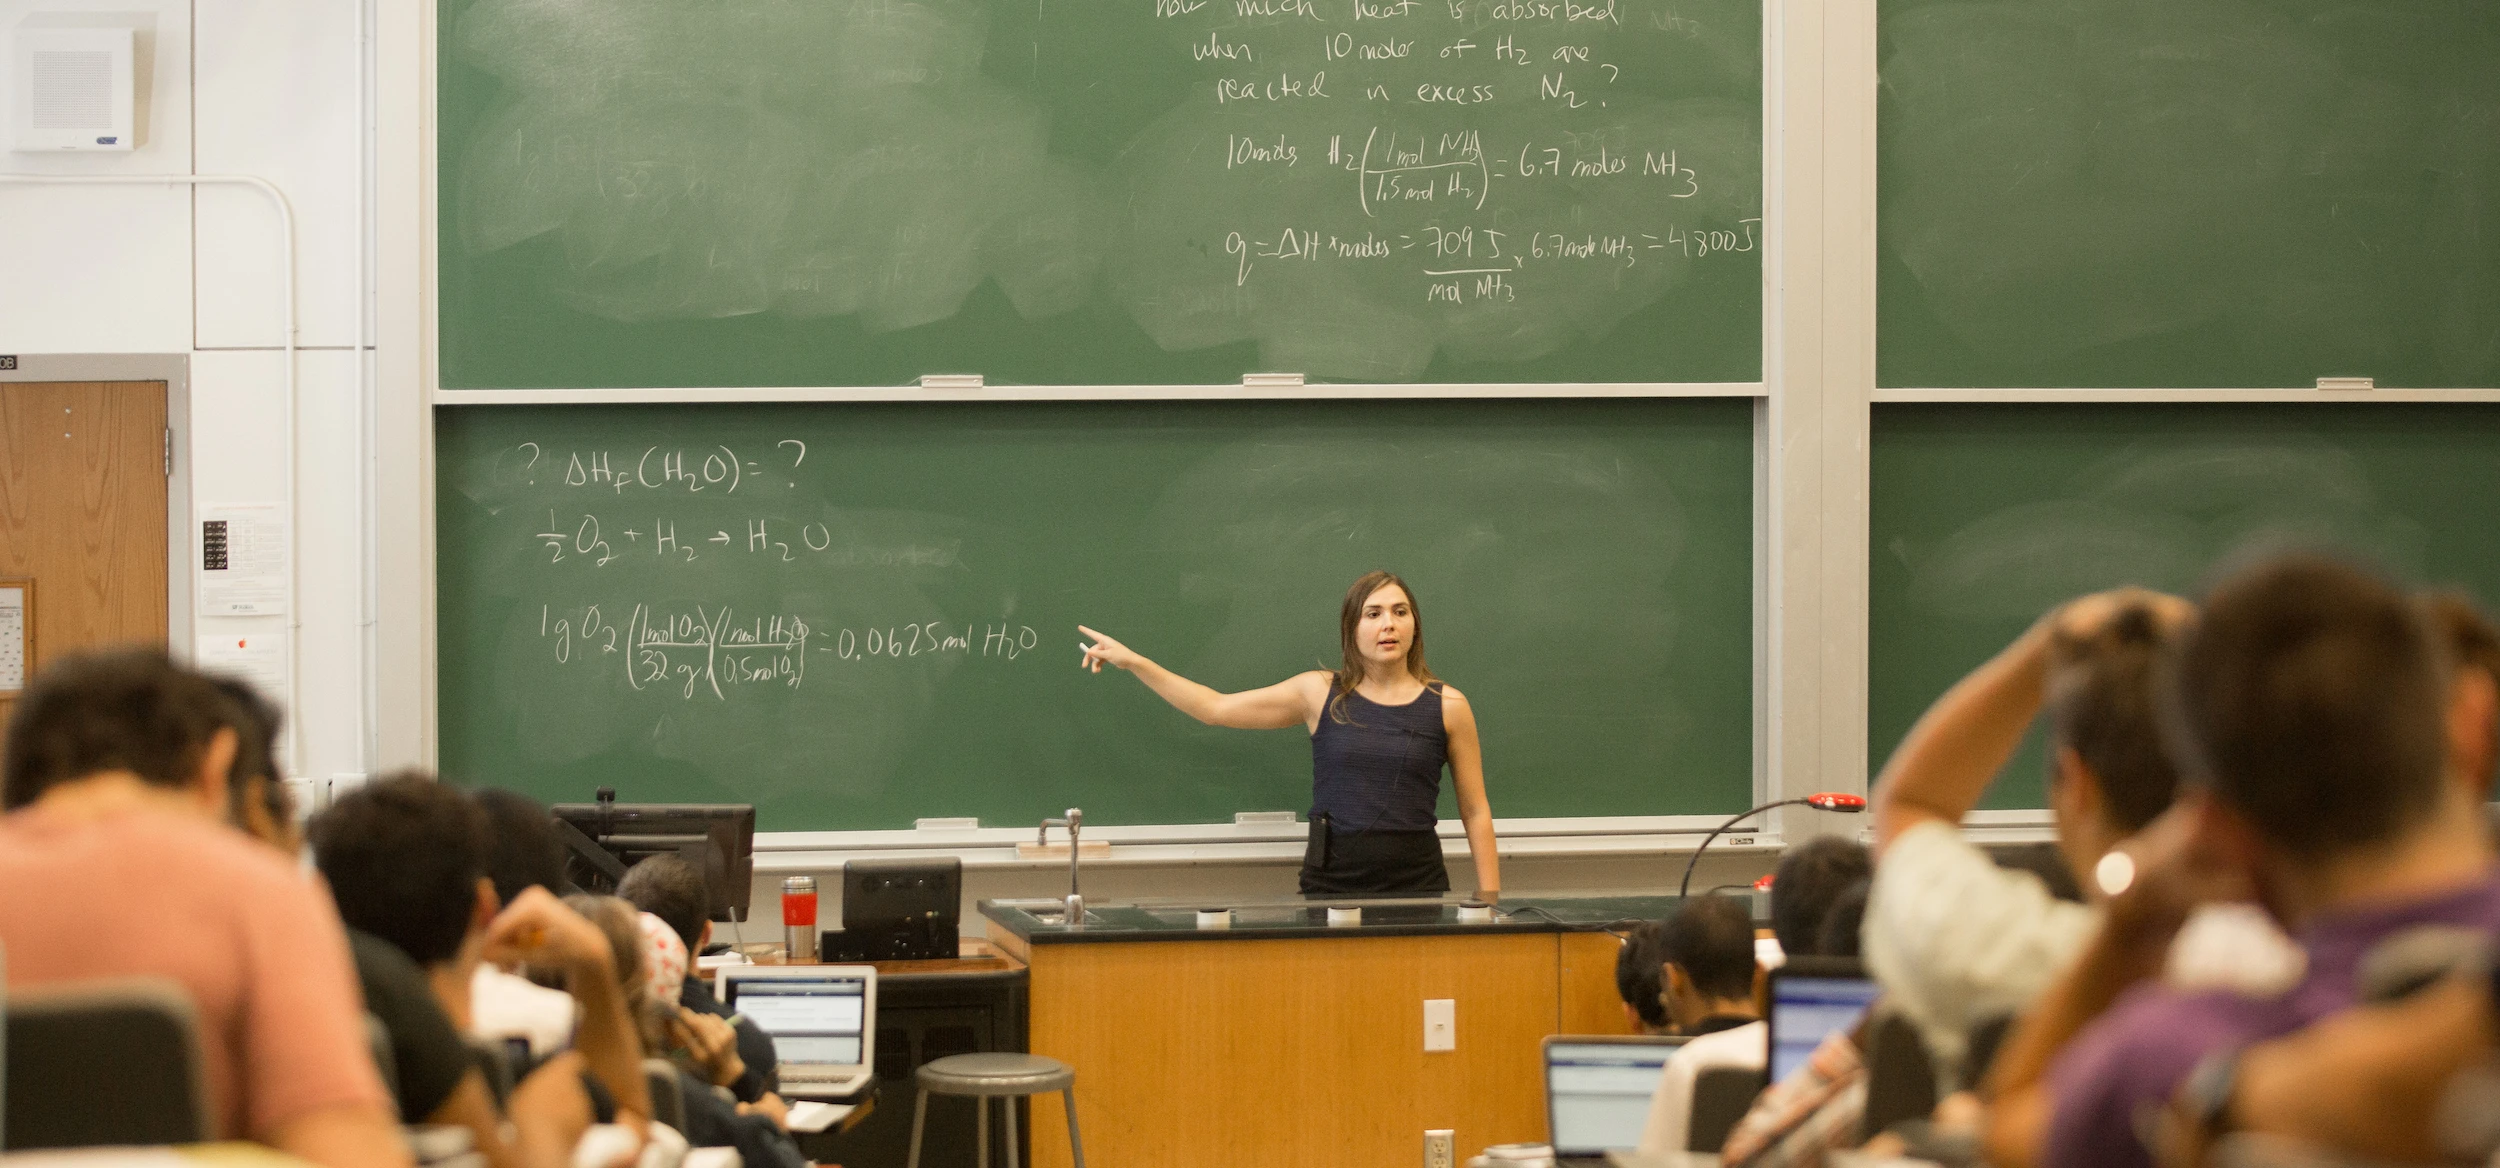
x=655 y=468
x=778 y=540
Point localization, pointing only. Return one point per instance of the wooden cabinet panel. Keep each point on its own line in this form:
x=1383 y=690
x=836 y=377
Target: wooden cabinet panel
x=1215 y=1053
x=1590 y=1002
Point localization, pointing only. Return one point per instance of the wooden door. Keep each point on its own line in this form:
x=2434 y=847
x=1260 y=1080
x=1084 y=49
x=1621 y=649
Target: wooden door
x=82 y=512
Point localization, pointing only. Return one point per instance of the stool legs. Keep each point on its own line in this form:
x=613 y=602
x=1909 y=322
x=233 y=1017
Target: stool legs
x=919 y=1119
x=1076 y=1147
x=981 y=1128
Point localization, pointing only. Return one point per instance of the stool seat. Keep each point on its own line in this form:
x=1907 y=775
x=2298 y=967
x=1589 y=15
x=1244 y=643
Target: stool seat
x=994 y=1073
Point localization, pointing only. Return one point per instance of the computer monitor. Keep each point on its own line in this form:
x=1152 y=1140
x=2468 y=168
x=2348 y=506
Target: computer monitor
x=1598 y=1089
x=604 y=838
x=1813 y=998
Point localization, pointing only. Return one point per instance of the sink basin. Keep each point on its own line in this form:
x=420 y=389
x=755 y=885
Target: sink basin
x=1059 y=916
x=1049 y=912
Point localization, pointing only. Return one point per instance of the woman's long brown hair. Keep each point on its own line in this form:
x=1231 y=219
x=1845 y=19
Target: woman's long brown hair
x=1350 y=671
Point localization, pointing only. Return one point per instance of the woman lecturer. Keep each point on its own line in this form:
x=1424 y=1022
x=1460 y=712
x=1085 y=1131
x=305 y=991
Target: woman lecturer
x=1382 y=726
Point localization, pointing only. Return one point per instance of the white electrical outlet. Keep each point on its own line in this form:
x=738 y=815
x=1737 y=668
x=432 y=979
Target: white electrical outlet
x=1440 y=1147
x=1440 y=1024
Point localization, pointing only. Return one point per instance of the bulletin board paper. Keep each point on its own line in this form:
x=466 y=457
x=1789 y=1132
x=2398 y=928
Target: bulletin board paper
x=17 y=625
x=243 y=560
x=256 y=658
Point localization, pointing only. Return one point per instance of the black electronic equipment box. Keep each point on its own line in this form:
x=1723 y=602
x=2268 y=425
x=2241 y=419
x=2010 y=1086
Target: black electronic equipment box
x=898 y=910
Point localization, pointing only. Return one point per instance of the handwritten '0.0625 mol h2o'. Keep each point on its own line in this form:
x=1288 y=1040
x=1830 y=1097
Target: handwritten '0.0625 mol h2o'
x=708 y=649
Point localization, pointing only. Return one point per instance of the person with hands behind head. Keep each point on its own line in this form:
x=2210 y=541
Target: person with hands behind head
x=1382 y=728
x=1954 y=939
x=2316 y=713
x=2149 y=884
x=542 y=932
x=668 y=887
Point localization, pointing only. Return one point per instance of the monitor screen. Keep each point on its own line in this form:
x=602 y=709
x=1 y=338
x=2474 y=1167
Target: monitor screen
x=811 y=1020
x=1599 y=1092
x=606 y=838
x=1807 y=1010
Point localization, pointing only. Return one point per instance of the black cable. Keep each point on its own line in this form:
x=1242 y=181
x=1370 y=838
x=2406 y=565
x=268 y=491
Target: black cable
x=1626 y=924
x=1684 y=891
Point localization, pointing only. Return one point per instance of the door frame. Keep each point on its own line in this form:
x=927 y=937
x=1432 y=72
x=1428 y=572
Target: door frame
x=174 y=369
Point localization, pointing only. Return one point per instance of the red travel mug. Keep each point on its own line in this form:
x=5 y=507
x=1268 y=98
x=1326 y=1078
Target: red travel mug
x=798 y=917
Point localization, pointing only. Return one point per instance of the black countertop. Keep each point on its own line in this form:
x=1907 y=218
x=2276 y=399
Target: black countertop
x=1038 y=921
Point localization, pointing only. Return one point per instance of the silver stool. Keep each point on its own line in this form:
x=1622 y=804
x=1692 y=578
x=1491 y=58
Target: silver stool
x=1002 y=1076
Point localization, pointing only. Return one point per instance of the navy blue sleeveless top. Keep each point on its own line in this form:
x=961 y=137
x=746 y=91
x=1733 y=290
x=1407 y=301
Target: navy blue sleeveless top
x=1380 y=768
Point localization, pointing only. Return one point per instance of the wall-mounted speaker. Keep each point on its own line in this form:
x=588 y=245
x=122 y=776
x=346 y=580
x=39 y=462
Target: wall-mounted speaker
x=74 y=88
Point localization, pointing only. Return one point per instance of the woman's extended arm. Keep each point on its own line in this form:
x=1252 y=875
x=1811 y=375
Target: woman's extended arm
x=1294 y=701
x=1467 y=774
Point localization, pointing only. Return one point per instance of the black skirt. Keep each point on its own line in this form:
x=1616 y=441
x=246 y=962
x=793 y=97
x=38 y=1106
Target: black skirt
x=1372 y=863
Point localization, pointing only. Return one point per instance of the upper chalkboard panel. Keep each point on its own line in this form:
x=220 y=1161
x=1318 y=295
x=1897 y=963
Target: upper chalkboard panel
x=855 y=615
x=860 y=192
x=2224 y=193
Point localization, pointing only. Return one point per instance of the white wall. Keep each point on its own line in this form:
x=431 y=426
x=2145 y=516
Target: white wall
x=251 y=87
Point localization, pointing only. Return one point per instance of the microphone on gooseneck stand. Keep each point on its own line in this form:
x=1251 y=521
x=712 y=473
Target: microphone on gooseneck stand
x=1821 y=800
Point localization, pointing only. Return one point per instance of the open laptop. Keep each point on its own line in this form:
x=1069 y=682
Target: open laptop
x=822 y=1019
x=1597 y=1091
x=1811 y=999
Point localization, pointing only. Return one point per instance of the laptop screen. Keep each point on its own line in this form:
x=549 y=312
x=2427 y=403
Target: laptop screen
x=811 y=1020
x=1807 y=1010
x=1598 y=1092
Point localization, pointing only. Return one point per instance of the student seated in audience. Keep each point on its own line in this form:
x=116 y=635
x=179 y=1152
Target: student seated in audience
x=115 y=862
x=673 y=890
x=1808 y=883
x=651 y=965
x=1953 y=938
x=1711 y=973
x=2317 y=721
x=1707 y=950
x=257 y=801
x=406 y=860
x=523 y=851
x=1819 y=1106
x=2411 y=1081
x=1639 y=966
x=2473 y=648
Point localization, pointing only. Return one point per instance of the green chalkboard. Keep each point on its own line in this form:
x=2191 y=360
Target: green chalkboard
x=854 y=615
x=1985 y=516
x=2243 y=193
x=860 y=192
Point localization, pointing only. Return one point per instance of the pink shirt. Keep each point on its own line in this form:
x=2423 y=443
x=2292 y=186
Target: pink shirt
x=258 y=946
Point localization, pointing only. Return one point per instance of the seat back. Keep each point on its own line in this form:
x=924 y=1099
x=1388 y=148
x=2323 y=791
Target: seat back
x=1900 y=1077
x=386 y=1059
x=1981 y=1054
x=667 y=1104
x=1721 y=1096
x=103 y=1063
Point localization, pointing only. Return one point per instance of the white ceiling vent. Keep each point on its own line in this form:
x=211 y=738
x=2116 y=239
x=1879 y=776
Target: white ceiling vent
x=75 y=88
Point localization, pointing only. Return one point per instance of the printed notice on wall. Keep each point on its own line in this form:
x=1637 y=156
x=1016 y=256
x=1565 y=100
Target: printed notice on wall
x=256 y=658
x=242 y=561
x=13 y=624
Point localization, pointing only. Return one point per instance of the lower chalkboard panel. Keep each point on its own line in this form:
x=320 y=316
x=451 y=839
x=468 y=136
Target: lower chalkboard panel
x=853 y=615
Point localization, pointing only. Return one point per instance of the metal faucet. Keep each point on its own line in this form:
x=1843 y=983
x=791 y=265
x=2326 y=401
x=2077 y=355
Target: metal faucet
x=1074 y=820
